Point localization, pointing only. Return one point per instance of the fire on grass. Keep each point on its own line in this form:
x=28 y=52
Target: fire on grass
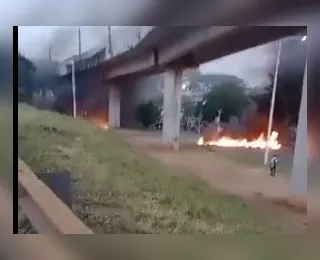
x=97 y=119
x=100 y=123
x=259 y=143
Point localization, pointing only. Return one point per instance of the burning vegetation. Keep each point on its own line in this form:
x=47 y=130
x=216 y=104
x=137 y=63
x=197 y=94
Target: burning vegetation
x=98 y=118
x=252 y=135
x=259 y=143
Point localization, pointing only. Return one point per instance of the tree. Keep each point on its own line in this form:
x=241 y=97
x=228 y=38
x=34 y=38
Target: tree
x=231 y=98
x=26 y=70
x=147 y=113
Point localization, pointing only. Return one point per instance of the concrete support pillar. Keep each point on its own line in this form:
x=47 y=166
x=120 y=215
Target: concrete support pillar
x=114 y=106
x=300 y=165
x=172 y=107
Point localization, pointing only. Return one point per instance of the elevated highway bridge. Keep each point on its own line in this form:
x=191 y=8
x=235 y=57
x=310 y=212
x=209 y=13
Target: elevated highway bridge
x=171 y=49
x=178 y=46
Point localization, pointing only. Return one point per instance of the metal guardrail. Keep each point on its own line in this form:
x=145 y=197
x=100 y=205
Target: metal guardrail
x=45 y=211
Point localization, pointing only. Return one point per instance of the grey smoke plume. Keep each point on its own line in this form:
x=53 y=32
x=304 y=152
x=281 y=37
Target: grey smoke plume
x=63 y=41
x=255 y=65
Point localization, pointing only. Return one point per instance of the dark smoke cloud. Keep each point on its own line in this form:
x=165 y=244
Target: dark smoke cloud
x=251 y=65
x=255 y=65
x=64 y=40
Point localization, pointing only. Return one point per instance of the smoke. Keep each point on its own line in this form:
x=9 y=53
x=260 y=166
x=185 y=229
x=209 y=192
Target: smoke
x=64 y=40
x=128 y=12
x=255 y=65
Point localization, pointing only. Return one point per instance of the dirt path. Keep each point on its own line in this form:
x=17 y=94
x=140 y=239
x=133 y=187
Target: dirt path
x=259 y=190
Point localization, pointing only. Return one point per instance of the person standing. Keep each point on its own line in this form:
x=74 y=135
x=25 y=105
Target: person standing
x=273 y=165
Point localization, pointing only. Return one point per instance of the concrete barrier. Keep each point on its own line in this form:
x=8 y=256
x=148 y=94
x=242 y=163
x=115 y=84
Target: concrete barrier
x=46 y=212
x=31 y=247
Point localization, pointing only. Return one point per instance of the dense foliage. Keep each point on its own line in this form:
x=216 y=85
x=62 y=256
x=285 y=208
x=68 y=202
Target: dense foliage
x=231 y=98
x=26 y=70
x=147 y=114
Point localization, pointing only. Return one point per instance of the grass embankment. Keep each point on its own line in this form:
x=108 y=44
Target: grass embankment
x=119 y=191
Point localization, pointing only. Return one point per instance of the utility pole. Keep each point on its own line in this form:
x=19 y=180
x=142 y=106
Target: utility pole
x=79 y=42
x=79 y=47
x=74 y=99
x=273 y=98
x=110 y=42
x=139 y=33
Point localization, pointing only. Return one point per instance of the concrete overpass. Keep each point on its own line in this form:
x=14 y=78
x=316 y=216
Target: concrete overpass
x=185 y=46
x=170 y=50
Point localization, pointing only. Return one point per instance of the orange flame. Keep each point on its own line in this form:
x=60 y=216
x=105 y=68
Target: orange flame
x=104 y=126
x=99 y=122
x=260 y=143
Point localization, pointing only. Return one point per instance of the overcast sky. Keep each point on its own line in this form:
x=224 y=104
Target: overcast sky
x=251 y=65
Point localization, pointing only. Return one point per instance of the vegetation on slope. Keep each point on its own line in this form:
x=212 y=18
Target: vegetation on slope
x=119 y=191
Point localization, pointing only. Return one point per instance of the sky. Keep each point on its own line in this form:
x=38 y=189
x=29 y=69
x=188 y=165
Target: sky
x=252 y=65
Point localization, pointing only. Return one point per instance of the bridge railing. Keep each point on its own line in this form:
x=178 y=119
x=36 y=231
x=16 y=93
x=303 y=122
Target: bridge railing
x=122 y=40
x=46 y=212
x=126 y=38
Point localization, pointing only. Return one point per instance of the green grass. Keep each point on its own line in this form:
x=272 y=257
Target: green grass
x=251 y=159
x=120 y=191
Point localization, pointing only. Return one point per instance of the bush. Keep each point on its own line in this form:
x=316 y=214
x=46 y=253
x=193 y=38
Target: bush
x=231 y=98
x=147 y=114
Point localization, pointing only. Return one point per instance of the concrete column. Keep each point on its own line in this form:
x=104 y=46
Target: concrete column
x=114 y=106
x=300 y=165
x=172 y=107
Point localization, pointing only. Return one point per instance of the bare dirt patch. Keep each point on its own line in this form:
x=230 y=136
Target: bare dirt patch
x=259 y=191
